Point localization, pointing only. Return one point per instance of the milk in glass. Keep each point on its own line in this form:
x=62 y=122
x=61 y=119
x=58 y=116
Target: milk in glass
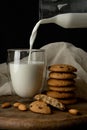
x=27 y=76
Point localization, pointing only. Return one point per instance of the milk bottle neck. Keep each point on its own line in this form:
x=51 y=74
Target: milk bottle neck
x=67 y=20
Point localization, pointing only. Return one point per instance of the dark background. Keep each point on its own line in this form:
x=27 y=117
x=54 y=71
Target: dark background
x=17 y=19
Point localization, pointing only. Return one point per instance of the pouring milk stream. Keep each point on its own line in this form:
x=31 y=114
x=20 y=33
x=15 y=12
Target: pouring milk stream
x=68 y=20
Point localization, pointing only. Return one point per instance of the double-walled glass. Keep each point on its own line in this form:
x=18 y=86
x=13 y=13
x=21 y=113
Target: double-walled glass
x=27 y=76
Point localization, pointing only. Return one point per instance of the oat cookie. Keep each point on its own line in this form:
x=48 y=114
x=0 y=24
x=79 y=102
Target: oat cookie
x=62 y=68
x=62 y=75
x=60 y=82
x=56 y=94
x=40 y=107
x=50 y=100
x=63 y=88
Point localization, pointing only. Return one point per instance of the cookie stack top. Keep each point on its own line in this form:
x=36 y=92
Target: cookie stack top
x=62 y=68
x=61 y=83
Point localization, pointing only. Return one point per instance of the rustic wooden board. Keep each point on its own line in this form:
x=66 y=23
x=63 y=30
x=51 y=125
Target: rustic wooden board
x=12 y=118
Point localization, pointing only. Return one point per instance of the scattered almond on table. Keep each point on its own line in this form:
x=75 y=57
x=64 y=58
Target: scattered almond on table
x=74 y=111
x=5 y=105
x=22 y=107
x=16 y=104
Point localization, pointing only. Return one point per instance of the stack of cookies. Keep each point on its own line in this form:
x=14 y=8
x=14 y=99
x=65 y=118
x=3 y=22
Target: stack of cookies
x=61 y=83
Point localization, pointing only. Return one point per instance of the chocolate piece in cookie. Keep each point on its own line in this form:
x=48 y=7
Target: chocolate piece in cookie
x=62 y=68
x=40 y=107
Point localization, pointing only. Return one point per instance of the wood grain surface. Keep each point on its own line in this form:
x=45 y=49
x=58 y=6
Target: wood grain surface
x=12 y=118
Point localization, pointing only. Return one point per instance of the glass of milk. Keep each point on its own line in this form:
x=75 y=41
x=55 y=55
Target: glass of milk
x=27 y=76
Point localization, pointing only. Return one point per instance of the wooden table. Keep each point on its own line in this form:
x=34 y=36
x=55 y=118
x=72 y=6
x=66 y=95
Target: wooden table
x=12 y=118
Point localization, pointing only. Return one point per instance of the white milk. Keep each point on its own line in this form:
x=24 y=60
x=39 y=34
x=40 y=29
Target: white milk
x=27 y=78
x=67 y=20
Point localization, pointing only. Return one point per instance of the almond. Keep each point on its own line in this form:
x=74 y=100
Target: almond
x=6 y=105
x=22 y=107
x=74 y=111
x=16 y=104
